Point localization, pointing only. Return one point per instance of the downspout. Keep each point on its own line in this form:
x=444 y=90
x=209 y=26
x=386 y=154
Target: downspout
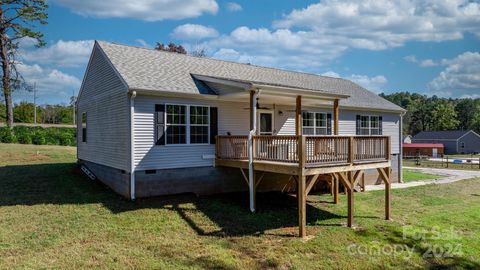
x=252 y=132
x=132 y=145
x=400 y=158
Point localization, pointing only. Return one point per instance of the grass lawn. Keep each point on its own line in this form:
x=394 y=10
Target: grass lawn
x=434 y=164
x=52 y=217
x=412 y=175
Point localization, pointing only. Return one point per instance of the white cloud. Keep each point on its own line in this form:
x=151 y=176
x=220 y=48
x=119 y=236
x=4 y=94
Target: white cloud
x=375 y=84
x=52 y=84
x=148 y=10
x=194 y=32
x=234 y=7
x=61 y=53
x=309 y=38
x=331 y=74
x=382 y=24
x=428 y=63
x=142 y=43
x=411 y=58
x=461 y=75
x=422 y=63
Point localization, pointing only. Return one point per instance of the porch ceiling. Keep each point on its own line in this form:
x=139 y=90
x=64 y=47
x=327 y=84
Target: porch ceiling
x=235 y=90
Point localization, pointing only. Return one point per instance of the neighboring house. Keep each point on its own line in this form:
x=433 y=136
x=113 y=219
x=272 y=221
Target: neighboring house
x=148 y=121
x=454 y=141
x=407 y=139
x=422 y=149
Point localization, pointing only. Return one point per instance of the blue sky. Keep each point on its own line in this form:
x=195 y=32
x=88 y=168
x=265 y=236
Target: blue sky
x=430 y=47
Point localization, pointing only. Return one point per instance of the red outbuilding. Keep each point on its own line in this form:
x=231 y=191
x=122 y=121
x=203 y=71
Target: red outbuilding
x=422 y=149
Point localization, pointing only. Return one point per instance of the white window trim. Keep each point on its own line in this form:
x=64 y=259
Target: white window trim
x=369 y=128
x=187 y=125
x=315 y=123
x=260 y=111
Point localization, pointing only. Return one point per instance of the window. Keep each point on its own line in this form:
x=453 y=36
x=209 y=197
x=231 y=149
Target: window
x=315 y=123
x=176 y=124
x=199 y=124
x=84 y=127
x=187 y=124
x=462 y=144
x=369 y=125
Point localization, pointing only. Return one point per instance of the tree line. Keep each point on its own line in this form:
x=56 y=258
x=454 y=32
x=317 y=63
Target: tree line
x=434 y=113
x=23 y=112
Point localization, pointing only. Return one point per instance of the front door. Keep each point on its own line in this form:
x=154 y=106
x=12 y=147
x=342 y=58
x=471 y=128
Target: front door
x=266 y=123
x=434 y=152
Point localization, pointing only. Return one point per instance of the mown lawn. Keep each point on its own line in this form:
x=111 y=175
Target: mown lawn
x=435 y=164
x=52 y=217
x=413 y=175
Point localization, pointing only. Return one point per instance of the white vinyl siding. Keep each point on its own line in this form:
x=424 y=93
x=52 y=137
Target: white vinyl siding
x=233 y=118
x=105 y=102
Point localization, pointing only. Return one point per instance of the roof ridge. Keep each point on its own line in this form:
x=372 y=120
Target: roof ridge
x=226 y=61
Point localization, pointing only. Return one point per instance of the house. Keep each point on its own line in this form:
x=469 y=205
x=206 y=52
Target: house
x=407 y=139
x=422 y=149
x=153 y=123
x=454 y=141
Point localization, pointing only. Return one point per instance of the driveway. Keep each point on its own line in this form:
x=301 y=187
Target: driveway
x=445 y=176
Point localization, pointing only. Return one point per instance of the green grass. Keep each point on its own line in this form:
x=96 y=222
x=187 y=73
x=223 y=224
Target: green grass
x=434 y=164
x=52 y=217
x=413 y=175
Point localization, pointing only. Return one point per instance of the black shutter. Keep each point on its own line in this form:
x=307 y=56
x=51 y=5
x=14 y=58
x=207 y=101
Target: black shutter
x=213 y=124
x=159 y=124
x=380 y=126
x=329 y=124
x=358 y=124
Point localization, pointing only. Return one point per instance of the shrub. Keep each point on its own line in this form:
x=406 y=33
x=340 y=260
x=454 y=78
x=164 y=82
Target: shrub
x=6 y=135
x=38 y=135
x=66 y=138
x=23 y=134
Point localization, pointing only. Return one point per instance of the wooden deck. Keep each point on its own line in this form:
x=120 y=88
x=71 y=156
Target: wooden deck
x=343 y=159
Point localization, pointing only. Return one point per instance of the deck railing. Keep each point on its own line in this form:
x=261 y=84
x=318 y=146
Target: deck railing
x=306 y=150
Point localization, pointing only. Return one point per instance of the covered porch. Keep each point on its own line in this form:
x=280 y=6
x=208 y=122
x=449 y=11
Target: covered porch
x=305 y=158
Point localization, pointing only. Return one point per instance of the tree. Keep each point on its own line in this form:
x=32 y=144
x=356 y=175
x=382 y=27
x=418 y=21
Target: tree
x=444 y=116
x=199 y=52
x=172 y=47
x=23 y=112
x=17 y=20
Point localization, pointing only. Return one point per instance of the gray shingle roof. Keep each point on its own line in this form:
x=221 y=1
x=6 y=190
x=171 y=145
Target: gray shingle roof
x=150 y=69
x=440 y=135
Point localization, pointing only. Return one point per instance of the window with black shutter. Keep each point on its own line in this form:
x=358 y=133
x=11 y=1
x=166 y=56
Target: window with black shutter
x=160 y=124
x=213 y=124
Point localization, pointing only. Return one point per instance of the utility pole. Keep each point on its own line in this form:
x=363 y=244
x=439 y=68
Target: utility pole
x=34 y=104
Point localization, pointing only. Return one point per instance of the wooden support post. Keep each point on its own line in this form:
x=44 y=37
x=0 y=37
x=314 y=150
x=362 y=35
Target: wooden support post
x=335 y=188
x=347 y=179
x=363 y=182
x=332 y=183
x=298 y=116
x=385 y=175
x=335 y=117
x=302 y=207
x=350 y=150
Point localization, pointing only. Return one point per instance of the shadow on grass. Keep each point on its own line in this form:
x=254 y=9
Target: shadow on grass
x=63 y=184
